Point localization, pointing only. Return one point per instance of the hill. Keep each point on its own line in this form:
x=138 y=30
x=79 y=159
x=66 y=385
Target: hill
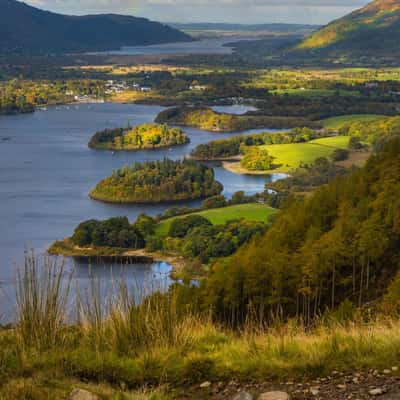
x=28 y=29
x=373 y=29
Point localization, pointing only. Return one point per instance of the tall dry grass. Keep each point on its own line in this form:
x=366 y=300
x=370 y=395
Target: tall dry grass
x=132 y=340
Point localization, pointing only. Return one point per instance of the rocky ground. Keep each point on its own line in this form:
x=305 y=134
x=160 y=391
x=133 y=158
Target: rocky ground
x=382 y=385
x=379 y=385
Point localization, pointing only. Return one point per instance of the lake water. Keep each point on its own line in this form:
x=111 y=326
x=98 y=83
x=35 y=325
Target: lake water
x=203 y=46
x=47 y=171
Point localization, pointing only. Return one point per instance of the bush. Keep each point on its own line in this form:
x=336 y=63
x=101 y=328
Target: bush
x=355 y=143
x=181 y=226
x=214 y=202
x=340 y=155
x=114 y=232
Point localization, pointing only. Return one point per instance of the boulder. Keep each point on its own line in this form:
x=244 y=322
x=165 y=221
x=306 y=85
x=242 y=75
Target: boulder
x=274 y=396
x=243 y=396
x=81 y=394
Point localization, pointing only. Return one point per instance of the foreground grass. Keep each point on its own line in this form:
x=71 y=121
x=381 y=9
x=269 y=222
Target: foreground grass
x=338 y=122
x=291 y=156
x=200 y=351
x=219 y=216
x=116 y=348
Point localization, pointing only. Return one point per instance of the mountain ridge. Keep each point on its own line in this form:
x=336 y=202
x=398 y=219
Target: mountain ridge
x=375 y=27
x=24 y=28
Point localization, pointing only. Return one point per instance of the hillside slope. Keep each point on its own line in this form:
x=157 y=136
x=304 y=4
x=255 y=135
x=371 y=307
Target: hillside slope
x=28 y=29
x=373 y=28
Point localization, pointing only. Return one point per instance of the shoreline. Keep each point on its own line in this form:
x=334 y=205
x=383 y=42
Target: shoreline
x=236 y=168
x=65 y=248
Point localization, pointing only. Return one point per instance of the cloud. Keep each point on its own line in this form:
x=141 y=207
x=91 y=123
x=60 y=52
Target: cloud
x=244 y=11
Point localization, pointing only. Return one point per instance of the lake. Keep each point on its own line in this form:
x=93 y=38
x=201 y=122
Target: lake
x=47 y=171
x=202 y=46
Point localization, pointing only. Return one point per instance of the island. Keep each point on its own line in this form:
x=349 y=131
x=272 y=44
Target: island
x=207 y=119
x=157 y=182
x=146 y=136
x=190 y=237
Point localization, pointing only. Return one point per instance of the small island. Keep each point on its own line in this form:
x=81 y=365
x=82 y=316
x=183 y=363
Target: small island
x=157 y=182
x=207 y=119
x=141 y=137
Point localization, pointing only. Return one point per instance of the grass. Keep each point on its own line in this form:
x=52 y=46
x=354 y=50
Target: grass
x=117 y=347
x=338 y=122
x=314 y=92
x=219 y=216
x=291 y=156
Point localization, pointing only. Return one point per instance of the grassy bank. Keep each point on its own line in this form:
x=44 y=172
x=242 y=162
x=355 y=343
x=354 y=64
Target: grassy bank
x=219 y=216
x=289 y=157
x=121 y=347
x=338 y=122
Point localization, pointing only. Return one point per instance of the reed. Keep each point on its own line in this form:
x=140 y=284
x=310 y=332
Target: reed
x=42 y=303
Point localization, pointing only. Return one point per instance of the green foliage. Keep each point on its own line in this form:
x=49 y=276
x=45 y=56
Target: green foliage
x=320 y=250
x=146 y=136
x=375 y=133
x=257 y=159
x=214 y=202
x=309 y=178
x=207 y=119
x=181 y=226
x=247 y=210
x=206 y=242
x=340 y=155
x=114 y=232
x=158 y=181
x=234 y=146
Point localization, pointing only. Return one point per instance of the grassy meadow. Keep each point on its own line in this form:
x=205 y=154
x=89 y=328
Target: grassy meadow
x=338 y=122
x=219 y=216
x=291 y=156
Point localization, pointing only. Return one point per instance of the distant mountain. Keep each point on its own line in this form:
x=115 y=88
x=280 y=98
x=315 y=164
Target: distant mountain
x=374 y=29
x=273 y=27
x=28 y=29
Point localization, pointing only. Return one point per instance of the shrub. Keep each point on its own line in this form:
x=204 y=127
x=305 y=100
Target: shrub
x=340 y=155
x=181 y=226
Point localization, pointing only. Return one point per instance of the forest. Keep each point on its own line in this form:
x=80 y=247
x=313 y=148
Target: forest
x=321 y=252
x=158 y=181
x=146 y=136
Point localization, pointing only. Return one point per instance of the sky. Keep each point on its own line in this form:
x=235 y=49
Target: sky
x=232 y=11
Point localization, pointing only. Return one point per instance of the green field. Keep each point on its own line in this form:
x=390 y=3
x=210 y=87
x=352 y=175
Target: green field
x=314 y=92
x=338 y=122
x=218 y=216
x=291 y=156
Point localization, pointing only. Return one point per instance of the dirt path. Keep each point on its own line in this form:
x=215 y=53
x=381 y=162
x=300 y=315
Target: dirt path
x=381 y=385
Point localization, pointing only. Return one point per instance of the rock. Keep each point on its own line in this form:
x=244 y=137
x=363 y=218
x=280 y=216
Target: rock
x=387 y=371
x=274 y=396
x=314 y=391
x=81 y=394
x=376 y=392
x=205 y=385
x=243 y=396
x=395 y=369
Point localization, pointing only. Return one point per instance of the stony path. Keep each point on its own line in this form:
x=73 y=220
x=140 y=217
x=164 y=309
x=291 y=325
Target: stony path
x=380 y=385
